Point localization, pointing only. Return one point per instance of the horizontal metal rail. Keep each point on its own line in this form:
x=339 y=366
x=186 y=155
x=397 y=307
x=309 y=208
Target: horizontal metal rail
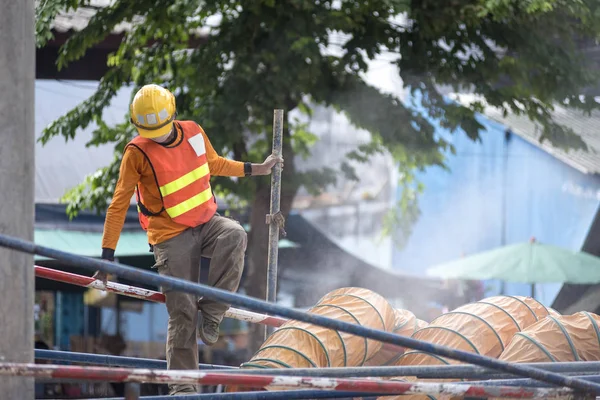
x=112 y=361
x=143 y=375
x=421 y=372
x=581 y=368
x=270 y=395
x=151 y=295
x=530 y=382
x=144 y=294
x=171 y=283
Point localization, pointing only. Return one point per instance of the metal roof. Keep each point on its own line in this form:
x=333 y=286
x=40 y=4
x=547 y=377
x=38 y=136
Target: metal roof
x=61 y=164
x=76 y=20
x=585 y=125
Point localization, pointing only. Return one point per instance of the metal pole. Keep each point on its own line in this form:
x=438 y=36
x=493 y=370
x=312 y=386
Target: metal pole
x=112 y=361
x=171 y=283
x=529 y=382
x=132 y=391
x=582 y=368
x=280 y=395
x=145 y=294
x=270 y=395
x=426 y=372
x=274 y=218
x=151 y=295
x=262 y=381
x=17 y=174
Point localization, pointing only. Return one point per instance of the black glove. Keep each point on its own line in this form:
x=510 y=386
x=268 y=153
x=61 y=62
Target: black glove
x=109 y=255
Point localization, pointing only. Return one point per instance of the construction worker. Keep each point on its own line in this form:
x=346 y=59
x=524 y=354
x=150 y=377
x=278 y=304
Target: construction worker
x=168 y=167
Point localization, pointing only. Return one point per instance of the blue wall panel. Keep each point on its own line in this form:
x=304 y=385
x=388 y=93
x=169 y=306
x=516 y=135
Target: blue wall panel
x=462 y=209
x=69 y=318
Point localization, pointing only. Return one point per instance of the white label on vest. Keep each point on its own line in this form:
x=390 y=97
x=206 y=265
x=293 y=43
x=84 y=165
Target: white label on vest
x=197 y=143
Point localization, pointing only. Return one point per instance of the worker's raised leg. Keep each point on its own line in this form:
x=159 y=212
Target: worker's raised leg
x=224 y=242
x=180 y=257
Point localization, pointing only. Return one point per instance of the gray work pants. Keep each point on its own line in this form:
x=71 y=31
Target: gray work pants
x=224 y=242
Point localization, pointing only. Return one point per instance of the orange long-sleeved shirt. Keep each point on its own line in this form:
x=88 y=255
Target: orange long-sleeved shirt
x=136 y=169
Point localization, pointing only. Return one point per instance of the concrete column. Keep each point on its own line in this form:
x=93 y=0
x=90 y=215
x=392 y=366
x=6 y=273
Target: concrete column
x=17 y=172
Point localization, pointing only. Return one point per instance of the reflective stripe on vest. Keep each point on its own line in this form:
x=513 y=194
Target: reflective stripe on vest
x=185 y=180
x=189 y=204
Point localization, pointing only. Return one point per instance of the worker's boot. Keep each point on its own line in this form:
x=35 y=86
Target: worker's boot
x=209 y=330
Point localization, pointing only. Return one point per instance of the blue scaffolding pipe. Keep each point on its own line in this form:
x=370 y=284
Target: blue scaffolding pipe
x=111 y=361
x=426 y=372
x=171 y=283
x=527 y=382
x=271 y=395
x=423 y=372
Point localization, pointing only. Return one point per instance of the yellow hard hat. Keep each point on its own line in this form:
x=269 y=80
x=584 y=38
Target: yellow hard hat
x=153 y=111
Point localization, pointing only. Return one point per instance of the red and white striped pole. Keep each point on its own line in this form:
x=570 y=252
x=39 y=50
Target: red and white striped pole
x=145 y=294
x=41 y=371
x=151 y=295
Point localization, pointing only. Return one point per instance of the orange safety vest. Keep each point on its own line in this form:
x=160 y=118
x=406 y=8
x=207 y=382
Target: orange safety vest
x=182 y=176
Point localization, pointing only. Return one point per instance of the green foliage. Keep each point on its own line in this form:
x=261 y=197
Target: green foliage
x=95 y=191
x=45 y=13
x=302 y=139
x=520 y=55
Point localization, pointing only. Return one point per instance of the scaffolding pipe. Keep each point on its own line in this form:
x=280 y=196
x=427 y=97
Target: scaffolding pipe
x=142 y=375
x=270 y=395
x=151 y=295
x=274 y=219
x=423 y=372
x=132 y=391
x=144 y=294
x=530 y=382
x=112 y=361
x=171 y=283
